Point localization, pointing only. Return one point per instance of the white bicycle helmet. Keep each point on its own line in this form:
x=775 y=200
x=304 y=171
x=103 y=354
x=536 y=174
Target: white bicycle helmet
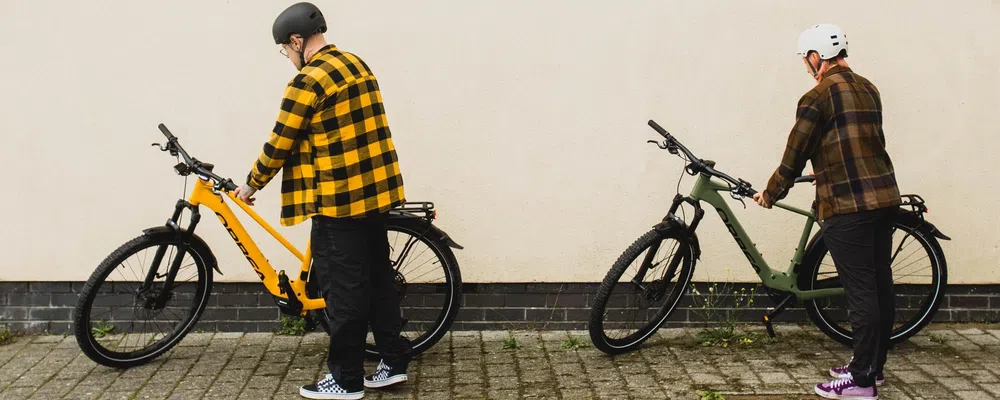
x=826 y=39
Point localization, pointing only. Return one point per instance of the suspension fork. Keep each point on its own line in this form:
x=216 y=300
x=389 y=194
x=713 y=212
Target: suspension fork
x=183 y=237
x=669 y=221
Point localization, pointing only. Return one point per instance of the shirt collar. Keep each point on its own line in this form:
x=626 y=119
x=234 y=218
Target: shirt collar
x=321 y=51
x=836 y=69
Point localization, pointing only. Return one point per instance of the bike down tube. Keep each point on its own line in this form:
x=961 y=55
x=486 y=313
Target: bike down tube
x=298 y=285
x=202 y=194
x=706 y=190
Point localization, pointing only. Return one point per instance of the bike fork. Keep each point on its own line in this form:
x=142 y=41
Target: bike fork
x=175 y=265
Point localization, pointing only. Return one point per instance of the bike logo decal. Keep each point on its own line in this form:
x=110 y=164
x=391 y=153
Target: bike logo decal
x=732 y=231
x=242 y=248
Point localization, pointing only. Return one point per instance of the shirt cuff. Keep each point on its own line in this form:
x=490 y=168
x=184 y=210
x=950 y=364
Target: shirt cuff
x=253 y=182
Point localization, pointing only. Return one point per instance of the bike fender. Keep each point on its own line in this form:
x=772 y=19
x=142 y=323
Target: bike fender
x=672 y=223
x=433 y=231
x=195 y=242
x=909 y=219
x=445 y=238
x=923 y=225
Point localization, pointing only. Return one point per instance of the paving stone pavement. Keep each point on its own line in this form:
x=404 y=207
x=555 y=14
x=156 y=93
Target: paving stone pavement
x=943 y=362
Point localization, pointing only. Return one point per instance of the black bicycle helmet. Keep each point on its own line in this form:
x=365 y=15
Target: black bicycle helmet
x=304 y=19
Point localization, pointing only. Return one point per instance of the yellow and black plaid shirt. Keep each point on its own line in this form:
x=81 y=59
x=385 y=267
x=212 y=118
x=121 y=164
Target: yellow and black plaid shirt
x=333 y=141
x=839 y=128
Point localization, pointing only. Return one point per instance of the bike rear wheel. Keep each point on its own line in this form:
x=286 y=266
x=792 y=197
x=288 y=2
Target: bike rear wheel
x=919 y=273
x=118 y=323
x=428 y=281
x=628 y=311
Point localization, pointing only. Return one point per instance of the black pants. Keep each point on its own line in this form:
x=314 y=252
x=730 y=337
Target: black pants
x=351 y=268
x=861 y=246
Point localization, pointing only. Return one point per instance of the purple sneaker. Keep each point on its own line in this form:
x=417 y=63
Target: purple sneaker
x=846 y=389
x=841 y=372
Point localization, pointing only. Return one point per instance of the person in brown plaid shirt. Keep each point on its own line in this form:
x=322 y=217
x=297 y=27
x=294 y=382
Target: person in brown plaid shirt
x=340 y=171
x=838 y=128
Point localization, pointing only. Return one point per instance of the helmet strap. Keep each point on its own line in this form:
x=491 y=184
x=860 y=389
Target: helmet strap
x=814 y=70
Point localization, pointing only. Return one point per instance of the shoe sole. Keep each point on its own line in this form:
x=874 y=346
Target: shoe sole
x=828 y=395
x=838 y=376
x=331 y=396
x=388 y=382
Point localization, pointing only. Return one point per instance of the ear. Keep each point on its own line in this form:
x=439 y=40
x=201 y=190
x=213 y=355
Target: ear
x=295 y=42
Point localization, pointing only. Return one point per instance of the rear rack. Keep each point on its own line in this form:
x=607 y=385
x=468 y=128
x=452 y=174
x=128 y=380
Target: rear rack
x=913 y=203
x=416 y=209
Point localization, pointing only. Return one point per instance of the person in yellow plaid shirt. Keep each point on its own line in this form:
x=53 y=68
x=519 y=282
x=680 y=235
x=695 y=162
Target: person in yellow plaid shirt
x=340 y=171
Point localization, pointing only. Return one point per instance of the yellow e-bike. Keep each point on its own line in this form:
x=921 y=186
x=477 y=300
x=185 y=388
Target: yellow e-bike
x=150 y=292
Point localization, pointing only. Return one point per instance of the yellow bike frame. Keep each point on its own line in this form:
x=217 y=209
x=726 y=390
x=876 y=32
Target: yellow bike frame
x=204 y=194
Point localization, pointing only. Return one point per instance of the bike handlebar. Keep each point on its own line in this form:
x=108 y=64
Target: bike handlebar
x=166 y=132
x=196 y=166
x=698 y=165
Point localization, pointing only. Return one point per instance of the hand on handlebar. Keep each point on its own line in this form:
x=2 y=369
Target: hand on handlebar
x=810 y=178
x=244 y=193
x=760 y=200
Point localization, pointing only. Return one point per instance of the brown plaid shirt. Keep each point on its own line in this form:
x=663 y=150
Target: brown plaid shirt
x=838 y=128
x=332 y=140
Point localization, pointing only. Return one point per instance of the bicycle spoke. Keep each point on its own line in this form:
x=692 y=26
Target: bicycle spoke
x=406 y=249
x=914 y=262
x=901 y=248
x=908 y=275
x=421 y=276
x=403 y=271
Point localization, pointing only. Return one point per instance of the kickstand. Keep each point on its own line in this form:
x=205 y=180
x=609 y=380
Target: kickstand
x=773 y=313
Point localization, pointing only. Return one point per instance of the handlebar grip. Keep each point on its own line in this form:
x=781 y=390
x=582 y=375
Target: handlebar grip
x=659 y=129
x=166 y=132
x=807 y=178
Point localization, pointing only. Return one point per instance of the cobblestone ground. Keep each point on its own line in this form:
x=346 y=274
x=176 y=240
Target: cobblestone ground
x=943 y=362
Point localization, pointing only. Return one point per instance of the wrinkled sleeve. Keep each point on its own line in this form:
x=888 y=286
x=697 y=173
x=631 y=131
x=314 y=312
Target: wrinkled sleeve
x=802 y=143
x=297 y=107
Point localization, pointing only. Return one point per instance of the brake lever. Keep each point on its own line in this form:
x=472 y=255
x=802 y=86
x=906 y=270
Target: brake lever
x=162 y=147
x=737 y=192
x=661 y=146
x=736 y=196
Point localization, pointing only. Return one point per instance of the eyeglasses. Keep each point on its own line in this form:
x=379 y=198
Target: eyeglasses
x=282 y=50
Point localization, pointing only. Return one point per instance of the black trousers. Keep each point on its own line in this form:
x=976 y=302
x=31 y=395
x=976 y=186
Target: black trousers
x=861 y=246
x=351 y=267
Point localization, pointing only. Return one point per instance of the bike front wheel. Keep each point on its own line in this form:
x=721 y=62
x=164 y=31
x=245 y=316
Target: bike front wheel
x=642 y=290
x=121 y=322
x=919 y=273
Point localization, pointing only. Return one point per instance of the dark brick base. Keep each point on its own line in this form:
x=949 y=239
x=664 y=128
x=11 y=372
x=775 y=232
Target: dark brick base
x=47 y=306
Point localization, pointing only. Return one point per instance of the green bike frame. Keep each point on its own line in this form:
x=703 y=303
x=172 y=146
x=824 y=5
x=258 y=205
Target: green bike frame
x=707 y=190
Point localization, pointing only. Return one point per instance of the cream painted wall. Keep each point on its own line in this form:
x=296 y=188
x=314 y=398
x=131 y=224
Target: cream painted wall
x=523 y=120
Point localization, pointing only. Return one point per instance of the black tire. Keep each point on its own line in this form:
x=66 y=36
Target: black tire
x=650 y=319
x=94 y=335
x=428 y=308
x=916 y=303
